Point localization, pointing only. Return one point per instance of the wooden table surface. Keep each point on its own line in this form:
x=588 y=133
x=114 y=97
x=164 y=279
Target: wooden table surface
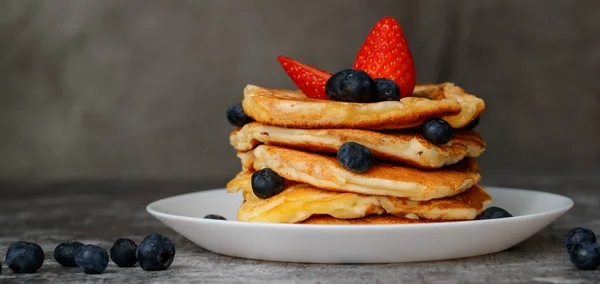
x=100 y=212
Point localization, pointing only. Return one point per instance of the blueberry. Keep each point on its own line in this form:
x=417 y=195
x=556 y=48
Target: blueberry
x=387 y=90
x=24 y=257
x=236 y=115
x=473 y=123
x=266 y=183
x=350 y=86
x=91 y=259
x=494 y=213
x=215 y=217
x=122 y=253
x=578 y=235
x=585 y=255
x=437 y=131
x=355 y=157
x=155 y=252
x=64 y=253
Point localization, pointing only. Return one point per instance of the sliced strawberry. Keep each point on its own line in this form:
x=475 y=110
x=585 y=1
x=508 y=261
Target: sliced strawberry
x=385 y=54
x=310 y=80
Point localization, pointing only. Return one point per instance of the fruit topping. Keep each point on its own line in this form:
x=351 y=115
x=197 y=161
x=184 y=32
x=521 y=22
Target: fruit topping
x=585 y=255
x=64 y=253
x=437 y=131
x=355 y=157
x=236 y=115
x=155 y=252
x=473 y=123
x=24 y=257
x=387 y=90
x=266 y=183
x=386 y=54
x=310 y=80
x=91 y=259
x=215 y=217
x=122 y=253
x=350 y=86
x=578 y=235
x=494 y=213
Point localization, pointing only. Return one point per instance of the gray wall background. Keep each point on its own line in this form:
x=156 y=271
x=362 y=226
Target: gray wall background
x=139 y=89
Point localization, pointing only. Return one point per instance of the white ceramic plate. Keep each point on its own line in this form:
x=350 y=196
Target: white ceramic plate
x=533 y=210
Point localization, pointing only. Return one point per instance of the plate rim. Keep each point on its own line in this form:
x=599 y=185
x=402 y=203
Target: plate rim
x=569 y=204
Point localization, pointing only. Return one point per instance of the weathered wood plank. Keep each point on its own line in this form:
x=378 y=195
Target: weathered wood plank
x=101 y=212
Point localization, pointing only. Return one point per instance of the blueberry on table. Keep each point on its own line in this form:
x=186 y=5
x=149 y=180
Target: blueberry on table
x=585 y=255
x=387 y=90
x=215 y=217
x=437 y=131
x=578 y=235
x=122 y=253
x=24 y=257
x=472 y=124
x=266 y=183
x=91 y=259
x=494 y=213
x=236 y=115
x=155 y=252
x=350 y=86
x=64 y=253
x=355 y=157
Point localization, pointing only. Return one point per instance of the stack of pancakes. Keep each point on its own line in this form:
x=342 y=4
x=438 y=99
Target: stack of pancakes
x=410 y=181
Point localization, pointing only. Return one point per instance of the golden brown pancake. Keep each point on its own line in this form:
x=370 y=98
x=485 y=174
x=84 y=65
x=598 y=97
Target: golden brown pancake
x=471 y=106
x=288 y=108
x=400 y=146
x=247 y=159
x=383 y=178
x=298 y=202
x=368 y=220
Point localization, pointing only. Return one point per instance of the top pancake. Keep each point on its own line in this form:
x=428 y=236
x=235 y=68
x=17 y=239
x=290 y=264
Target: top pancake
x=471 y=106
x=382 y=178
x=289 y=108
x=399 y=146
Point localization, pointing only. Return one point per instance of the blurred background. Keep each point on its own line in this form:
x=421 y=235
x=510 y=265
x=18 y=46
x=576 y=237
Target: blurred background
x=138 y=89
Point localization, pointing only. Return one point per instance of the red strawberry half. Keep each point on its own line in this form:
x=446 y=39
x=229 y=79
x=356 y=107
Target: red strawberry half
x=385 y=54
x=310 y=80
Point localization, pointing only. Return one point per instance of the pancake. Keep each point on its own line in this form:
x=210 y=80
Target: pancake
x=383 y=178
x=299 y=202
x=247 y=159
x=471 y=106
x=406 y=147
x=288 y=108
x=368 y=220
